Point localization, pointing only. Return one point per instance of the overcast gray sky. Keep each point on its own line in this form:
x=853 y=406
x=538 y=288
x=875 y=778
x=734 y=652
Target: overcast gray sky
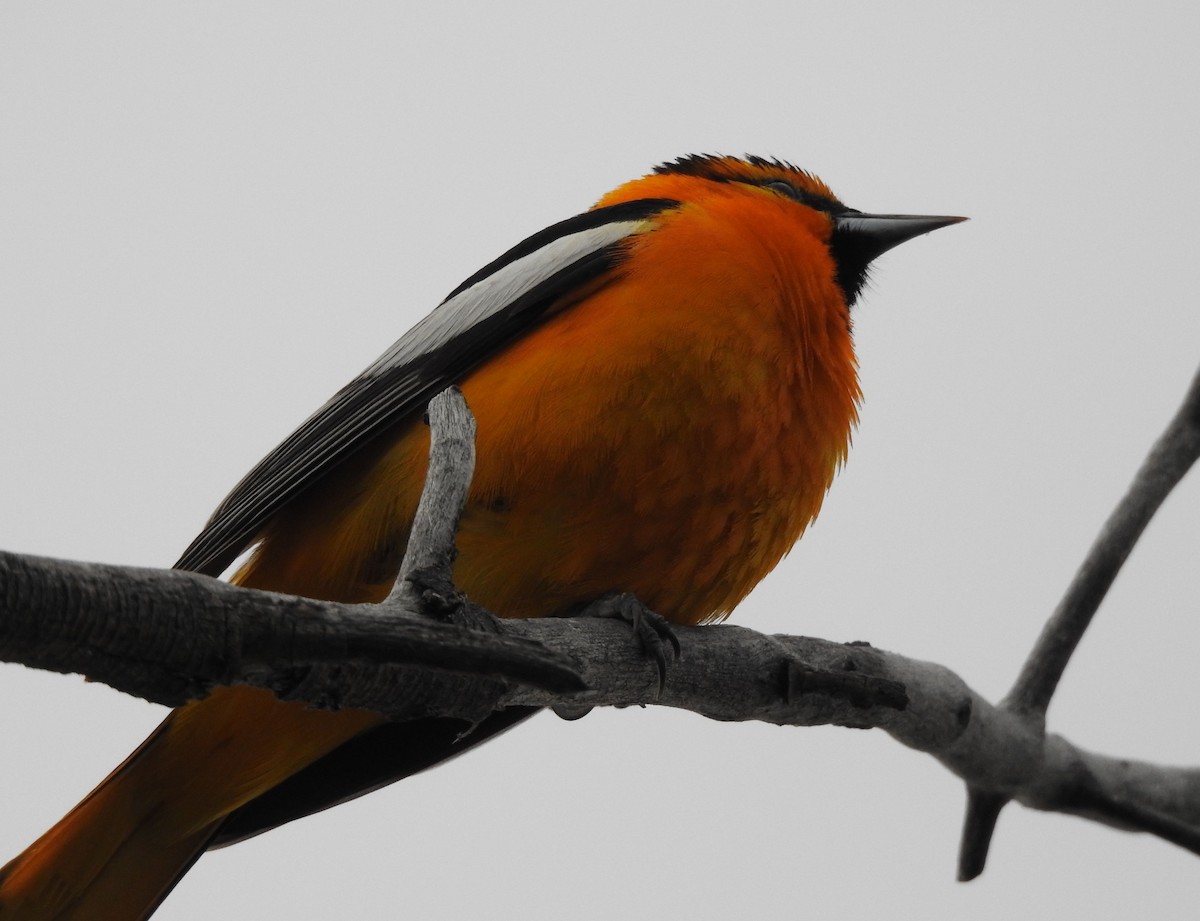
x=213 y=215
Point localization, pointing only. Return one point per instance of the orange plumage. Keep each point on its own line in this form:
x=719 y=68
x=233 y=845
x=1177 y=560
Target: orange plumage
x=667 y=424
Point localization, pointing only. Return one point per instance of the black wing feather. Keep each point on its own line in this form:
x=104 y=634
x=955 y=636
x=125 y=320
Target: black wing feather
x=371 y=404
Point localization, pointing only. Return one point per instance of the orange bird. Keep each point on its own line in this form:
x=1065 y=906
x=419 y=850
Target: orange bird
x=664 y=387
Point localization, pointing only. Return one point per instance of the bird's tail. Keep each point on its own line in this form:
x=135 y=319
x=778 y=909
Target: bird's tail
x=119 y=852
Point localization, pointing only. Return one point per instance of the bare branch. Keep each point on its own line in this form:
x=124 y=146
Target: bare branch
x=731 y=673
x=1169 y=460
x=431 y=551
x=167 y=635
x=979 y=824
x=171 y=636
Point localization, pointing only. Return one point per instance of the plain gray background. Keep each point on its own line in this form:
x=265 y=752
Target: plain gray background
x=213 y=215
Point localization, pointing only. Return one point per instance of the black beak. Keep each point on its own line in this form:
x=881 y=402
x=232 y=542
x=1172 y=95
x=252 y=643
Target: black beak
x=860 y=238
x=875 y=234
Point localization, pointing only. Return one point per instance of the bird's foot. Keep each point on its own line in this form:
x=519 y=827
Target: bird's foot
x=652 y=631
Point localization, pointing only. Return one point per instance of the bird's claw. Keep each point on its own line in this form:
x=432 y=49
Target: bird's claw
x=654 y=632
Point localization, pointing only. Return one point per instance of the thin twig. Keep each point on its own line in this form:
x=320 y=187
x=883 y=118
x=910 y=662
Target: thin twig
x=431 y=550
x=1170 y=458
x=979 y=824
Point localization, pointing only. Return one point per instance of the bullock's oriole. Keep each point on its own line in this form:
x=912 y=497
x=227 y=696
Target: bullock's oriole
x=664 y=387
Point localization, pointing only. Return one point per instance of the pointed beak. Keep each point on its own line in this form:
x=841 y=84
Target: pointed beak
x=871 y=235
x=858 y=238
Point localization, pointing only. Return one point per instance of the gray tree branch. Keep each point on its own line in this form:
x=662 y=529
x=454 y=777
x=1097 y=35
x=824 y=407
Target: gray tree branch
x=167 y=636
x=1170 y=458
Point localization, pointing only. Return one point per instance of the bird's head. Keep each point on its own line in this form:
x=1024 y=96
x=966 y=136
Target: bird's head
x=855 y=238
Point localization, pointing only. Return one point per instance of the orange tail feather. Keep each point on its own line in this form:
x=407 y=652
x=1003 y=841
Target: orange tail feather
x=119 y=852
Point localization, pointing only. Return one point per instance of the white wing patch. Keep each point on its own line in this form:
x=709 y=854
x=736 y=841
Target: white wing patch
x=495 y=292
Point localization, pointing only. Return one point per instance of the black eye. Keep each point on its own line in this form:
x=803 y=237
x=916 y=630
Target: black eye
x=783 y=188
